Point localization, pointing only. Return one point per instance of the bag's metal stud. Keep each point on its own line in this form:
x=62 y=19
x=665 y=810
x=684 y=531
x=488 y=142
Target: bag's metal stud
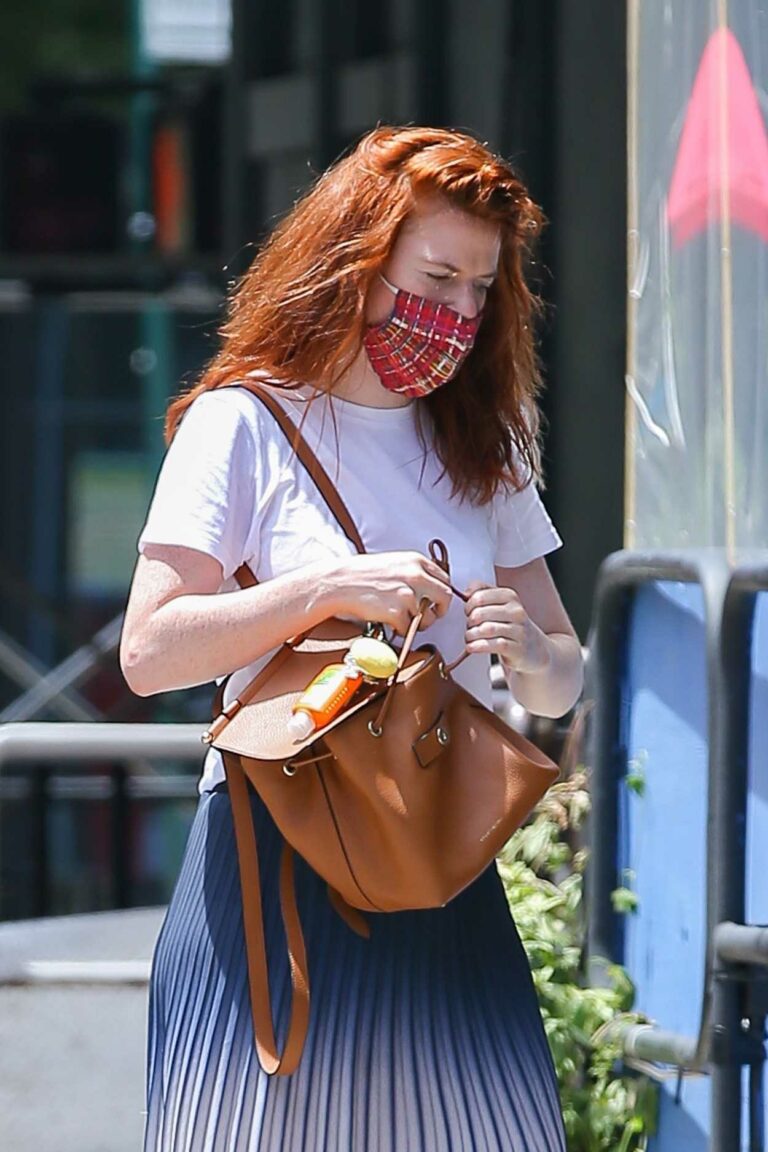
x=442 y=671
x=442 y=736
x=374 y=729
x=289 y=769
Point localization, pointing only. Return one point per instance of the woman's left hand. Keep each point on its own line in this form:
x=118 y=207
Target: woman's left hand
x=498 y=623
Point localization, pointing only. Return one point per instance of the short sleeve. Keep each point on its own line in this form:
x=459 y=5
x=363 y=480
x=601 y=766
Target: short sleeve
x=524 y=531
x=210 y=485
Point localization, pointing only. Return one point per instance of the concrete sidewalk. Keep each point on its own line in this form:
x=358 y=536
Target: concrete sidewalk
x=73 y=1003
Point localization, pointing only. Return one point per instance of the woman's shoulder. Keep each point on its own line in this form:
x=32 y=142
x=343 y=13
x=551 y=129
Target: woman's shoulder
x=232 y=412
x=229 y=402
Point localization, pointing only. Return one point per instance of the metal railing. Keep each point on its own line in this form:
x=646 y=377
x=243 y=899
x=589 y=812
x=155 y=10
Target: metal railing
x=39 y=745
x=55 y=686
x=28 y=742
x=23 y=669
x=732 y=1022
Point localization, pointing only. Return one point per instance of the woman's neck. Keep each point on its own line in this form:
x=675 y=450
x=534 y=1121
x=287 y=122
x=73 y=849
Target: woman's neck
x=360 y=385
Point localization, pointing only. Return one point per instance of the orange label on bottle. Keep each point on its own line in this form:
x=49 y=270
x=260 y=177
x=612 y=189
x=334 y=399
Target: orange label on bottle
x=330 y=690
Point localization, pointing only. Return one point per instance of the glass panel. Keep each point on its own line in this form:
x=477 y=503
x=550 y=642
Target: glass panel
x=697 y=423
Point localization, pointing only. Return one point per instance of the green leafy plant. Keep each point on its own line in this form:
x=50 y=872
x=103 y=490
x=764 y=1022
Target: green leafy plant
x=606 y=1107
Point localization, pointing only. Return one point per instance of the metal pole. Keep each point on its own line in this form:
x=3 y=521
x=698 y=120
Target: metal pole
x=604 y=680
x=158 y=382
x=633 y=247
x=729 y=675
x=235 y=134
x=726 y=293
x=121 y=879
x=41 y=870
x=326 y=66
x=756 y=1107
x=29 y=742
x=430 y=31
x=47 y=477
x=742 y=943
x=141 y=221
x=646 y=1042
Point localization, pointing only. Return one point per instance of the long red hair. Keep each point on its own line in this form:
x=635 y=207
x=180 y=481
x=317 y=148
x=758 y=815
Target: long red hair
x=298 y=313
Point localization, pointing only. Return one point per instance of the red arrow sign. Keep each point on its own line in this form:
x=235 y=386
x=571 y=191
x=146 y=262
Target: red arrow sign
x=723 y=141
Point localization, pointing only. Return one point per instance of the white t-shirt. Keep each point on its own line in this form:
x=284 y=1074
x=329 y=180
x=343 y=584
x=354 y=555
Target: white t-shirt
x=231 y=486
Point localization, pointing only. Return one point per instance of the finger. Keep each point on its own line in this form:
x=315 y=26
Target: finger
x=509 y=651
x=476 y=586
x=487 y=596
x=428 y=619
x=434 y=592
x=436 y=572
x=400 y=622
x=510 y=613
x=495 y=630
x=423 y=606
x=430 y=612
x=431 y=569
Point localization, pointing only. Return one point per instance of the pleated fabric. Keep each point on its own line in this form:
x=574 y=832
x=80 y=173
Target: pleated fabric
x=425 y=1038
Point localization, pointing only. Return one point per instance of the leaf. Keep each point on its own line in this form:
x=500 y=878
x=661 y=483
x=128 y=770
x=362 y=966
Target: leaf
x=635 y=781
x=624 y=900
x=605 y=1108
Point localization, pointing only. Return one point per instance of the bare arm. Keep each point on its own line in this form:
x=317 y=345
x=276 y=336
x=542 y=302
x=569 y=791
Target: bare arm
x=180 y=630
x=524 y=622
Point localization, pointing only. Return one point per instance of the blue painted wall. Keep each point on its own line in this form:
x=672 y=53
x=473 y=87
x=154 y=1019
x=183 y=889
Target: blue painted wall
x=662 y=833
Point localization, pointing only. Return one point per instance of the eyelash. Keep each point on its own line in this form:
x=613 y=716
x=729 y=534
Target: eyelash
x=446 y=279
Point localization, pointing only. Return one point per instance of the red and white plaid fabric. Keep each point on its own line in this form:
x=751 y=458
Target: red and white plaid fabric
x=420 y=346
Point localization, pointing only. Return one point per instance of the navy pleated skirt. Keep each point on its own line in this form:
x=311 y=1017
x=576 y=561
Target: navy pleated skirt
x=425 y=1038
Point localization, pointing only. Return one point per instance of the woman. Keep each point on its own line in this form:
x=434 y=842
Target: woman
x=390 y=316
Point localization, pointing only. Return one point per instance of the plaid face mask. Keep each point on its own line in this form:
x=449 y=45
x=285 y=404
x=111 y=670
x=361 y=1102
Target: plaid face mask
x=420 y=346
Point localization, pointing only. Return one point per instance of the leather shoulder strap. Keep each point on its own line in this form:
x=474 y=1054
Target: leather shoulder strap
x=310 y=462
x=246 y=578
x=270 y=1057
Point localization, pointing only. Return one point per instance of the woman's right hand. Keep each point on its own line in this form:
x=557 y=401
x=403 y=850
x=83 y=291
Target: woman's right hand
x=180 y=629
x=389 y=588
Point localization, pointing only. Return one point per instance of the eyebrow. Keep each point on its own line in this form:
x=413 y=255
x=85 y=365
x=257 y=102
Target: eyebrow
x=452 y=268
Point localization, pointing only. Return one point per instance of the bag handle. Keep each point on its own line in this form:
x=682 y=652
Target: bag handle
x=271 y=1060
x=439 y=553
x=221 y=715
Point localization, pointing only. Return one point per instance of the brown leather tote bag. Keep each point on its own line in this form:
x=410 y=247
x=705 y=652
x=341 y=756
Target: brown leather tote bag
x=399 y=803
